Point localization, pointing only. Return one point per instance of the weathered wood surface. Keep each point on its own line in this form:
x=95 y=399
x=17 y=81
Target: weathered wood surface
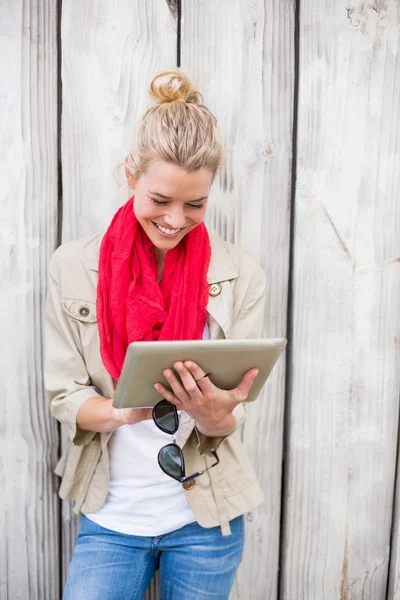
x=29 y=515
x=394 y=573
x=392 y=79
x=345 y=372
x=241 y=54
x=110 y=51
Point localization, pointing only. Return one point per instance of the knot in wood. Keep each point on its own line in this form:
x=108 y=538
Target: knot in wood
x=354 y=17
x=269 y=150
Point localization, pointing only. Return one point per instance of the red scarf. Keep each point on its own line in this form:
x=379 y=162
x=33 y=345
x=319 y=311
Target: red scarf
x=131 y=305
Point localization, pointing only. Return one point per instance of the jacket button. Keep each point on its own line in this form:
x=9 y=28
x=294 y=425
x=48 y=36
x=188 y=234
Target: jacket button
x=214 y=289
x=189 y=485
x=84 y=311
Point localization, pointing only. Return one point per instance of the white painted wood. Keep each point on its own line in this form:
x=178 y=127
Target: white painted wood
x=241 y=54
x=394 y=572
x=345 y=372
x=29 y=508
x=110 y=51
x=69 y=526
x=344 y=400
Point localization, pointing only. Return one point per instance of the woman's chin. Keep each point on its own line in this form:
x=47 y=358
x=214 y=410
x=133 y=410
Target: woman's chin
x=167 y=245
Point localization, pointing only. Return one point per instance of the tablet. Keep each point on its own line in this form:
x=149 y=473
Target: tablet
x=227 y=360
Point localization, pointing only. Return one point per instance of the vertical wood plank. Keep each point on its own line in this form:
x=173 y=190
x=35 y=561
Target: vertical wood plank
x=241 y=54
x=110 y=51
x=394 y=569
x=345 y=374
x=29 y=507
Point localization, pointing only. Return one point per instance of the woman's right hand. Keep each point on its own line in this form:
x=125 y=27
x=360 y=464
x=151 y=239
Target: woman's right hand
x=98 y=414
x=131 y=416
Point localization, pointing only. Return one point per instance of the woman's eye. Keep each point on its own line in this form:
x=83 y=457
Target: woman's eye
x=165 y=202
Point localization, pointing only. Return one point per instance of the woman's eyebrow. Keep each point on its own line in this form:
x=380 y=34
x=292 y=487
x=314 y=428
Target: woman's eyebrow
x=168 y=198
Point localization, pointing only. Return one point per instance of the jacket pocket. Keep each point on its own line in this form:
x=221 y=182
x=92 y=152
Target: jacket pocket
x=83 y=311
x=83 y=320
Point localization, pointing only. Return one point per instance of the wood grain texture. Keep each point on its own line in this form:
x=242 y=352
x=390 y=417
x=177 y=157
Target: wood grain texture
x=69 y=526
x=394 y=571
x=110 y=51
x=241 y=54
x=29 y=507
x=345 y=373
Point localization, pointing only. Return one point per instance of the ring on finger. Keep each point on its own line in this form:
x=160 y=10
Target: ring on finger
x=203 y=376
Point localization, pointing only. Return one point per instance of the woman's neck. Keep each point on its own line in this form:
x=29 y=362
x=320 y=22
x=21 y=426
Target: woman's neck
x=160 y=258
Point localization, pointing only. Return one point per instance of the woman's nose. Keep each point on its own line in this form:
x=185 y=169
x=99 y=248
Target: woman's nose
x=175 y=219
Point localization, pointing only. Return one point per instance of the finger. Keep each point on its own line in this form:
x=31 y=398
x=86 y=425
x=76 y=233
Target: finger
x=242 y=391
x=204 y=383
x=188 y=381
x=168 y=395
x=176 y=385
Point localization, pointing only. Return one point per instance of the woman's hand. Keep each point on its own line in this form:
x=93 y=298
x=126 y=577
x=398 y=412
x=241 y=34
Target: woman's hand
x=208 y=405
x=131 y=416
x=98 y=414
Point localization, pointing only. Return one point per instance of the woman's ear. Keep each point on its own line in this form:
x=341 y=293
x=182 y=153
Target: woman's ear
x=131 y=179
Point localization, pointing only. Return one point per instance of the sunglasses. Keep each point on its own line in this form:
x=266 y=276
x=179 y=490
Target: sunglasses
x=170 y=457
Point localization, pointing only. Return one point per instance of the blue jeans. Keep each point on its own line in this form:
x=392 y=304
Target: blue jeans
x=195 y=563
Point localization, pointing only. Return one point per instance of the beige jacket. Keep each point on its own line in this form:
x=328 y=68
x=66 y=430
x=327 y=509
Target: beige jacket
x=74 y=372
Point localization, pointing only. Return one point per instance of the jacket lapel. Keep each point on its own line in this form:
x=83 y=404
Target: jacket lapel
x=221 y=270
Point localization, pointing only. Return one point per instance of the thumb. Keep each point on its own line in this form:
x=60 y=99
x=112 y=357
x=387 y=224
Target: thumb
x=242 y=391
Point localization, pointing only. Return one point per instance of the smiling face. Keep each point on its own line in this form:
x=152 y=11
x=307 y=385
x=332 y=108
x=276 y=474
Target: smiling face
x=169 y=201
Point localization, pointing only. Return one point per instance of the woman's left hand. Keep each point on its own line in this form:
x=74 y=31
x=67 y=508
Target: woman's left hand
x=208 y=405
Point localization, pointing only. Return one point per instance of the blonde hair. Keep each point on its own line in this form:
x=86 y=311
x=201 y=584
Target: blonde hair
x=177 y=129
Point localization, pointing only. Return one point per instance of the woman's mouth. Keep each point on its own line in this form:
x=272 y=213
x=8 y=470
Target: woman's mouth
x=166 y=231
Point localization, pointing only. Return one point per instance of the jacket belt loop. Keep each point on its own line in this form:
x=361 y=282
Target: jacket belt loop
x=223 y=515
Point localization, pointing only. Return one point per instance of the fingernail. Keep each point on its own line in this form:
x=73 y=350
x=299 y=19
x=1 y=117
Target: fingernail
x=256 y=373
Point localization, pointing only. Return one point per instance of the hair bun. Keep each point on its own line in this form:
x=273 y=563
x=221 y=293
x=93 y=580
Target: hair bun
x=170 y=86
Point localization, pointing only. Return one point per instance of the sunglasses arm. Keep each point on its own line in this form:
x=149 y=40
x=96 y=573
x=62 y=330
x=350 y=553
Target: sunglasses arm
x=195 y=475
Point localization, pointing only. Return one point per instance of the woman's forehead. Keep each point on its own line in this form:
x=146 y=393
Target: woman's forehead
x=172 y=181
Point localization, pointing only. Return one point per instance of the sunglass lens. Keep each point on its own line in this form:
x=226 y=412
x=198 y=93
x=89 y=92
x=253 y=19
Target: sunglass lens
x=165 y=416
x=171 y=461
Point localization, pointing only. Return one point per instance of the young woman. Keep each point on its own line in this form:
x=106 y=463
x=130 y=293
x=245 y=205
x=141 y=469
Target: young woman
x=156 y=274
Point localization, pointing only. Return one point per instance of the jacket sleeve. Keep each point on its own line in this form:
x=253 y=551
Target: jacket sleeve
x=65 y=375
x=248 y=322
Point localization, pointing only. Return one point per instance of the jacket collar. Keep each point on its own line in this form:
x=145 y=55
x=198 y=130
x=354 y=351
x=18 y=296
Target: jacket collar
x=220 y=269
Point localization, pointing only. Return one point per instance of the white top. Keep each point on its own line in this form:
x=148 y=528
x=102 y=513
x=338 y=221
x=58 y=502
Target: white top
x=142 y=499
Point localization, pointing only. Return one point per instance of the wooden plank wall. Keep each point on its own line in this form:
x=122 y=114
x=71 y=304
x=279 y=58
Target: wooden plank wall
x=110 y=51
x=29 y=515
x=345 y=372
x=389 y=178
x=246 y=77
x=342 y=400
